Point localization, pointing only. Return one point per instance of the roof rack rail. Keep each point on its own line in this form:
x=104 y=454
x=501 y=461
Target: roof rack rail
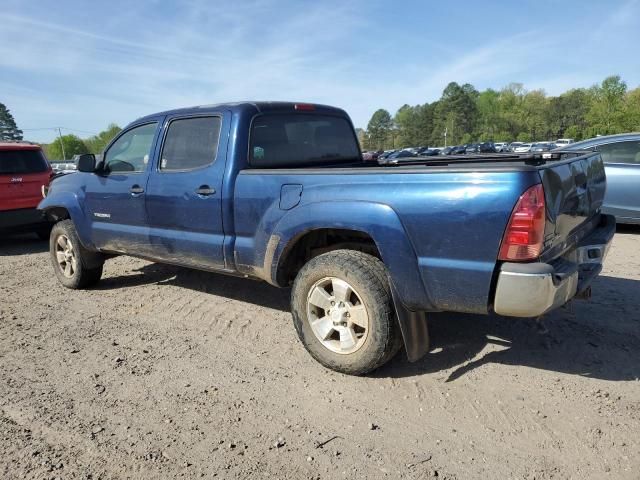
x=528 y=158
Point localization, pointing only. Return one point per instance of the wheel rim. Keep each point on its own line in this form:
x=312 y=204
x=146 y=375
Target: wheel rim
x=66 y=256
x=337 y=315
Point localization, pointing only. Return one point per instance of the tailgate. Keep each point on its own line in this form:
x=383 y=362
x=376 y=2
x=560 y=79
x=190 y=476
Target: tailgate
x=574 y=192
x=22 y=190
x=23 y=172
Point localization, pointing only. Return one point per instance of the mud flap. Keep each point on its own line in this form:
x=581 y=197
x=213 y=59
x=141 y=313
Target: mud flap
x=413 y=326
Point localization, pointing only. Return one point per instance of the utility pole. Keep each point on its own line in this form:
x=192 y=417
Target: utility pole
x=61 y=144
x=445 y=137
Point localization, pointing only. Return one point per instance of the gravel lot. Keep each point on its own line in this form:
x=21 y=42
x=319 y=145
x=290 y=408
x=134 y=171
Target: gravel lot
x=163 y=372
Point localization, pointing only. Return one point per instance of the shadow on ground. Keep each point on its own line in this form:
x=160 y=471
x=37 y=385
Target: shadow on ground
x=599 y=339
x=24 y=244
x=621 y=228
x=236 y=288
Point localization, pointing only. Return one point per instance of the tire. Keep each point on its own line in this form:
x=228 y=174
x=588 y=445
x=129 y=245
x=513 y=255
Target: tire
x=358 y=332
x=74 y=266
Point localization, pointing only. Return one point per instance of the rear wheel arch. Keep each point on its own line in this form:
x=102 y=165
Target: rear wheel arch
x=309 y=244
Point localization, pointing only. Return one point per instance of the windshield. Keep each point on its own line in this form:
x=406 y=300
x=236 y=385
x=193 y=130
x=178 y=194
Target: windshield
x=301 y=140
x=22 y=161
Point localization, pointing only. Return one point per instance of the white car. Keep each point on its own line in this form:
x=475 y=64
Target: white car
x=501 y=146
x=524 y=148
x=563 y=142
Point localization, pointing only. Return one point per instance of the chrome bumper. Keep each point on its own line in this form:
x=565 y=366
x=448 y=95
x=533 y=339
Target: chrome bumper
x=533 y=289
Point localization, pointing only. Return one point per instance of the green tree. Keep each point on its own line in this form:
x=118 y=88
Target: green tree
x=8 y=128
x=606 y=108
x=567 y=114
x=97 y=143
x=534 y=105
x=489 y=118
x=408 y=126
x=73 y=145
x=512 y=109
x=456 y=112
x=379 y=129
x=631 y=111
x=513 y=113
x=425 y=116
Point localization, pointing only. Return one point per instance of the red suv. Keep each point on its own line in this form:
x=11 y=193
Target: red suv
x=24 y=171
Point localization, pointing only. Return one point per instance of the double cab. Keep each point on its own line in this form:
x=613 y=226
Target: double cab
x=279 y=192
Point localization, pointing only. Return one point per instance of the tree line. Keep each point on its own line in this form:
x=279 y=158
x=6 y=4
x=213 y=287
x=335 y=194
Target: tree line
x=74 y=145
x=511 y=114
x=70 y=144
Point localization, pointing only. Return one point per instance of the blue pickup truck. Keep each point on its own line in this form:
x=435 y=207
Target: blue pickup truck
x=278 y=192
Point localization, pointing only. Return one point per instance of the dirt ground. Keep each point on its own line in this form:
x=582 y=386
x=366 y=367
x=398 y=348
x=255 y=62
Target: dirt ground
x=162 y=372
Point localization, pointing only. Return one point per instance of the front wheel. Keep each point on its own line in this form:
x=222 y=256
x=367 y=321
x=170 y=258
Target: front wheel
x=341 y=306
x=74 y=266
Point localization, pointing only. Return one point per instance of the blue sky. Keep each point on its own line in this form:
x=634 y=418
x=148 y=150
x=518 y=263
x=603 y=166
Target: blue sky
x=82 y=65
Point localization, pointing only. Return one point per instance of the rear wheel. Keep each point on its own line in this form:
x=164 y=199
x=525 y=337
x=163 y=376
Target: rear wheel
x=341 y=306
x=74 y=266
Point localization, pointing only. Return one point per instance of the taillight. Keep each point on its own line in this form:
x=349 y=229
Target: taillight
x=525 y=232
x=304 y=106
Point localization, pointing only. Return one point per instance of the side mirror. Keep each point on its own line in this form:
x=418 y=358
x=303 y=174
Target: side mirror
x=87 y=163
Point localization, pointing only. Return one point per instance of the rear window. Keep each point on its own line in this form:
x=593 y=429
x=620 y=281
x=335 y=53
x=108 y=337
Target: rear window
x=301 y=140
x=22 y=161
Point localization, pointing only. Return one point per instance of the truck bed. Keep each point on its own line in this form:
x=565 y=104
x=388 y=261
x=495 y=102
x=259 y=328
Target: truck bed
x=454 y=214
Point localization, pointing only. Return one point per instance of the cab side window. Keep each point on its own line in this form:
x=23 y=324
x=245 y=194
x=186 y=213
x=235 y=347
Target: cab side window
x=131 y=151
x=621 y=152
x=190 y=143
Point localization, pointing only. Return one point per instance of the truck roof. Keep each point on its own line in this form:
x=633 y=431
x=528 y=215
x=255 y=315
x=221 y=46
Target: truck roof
x=256 y=107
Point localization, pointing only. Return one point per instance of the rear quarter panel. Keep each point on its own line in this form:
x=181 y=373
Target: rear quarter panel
x=438 y=232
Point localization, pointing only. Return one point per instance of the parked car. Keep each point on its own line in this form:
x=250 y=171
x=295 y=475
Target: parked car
x=523 y=148
x=428 y=152
x=542 y=147
x=370 y=156
x=459 y=150
x=484 y=147
x=621 y=156
x=472 y=148
x=447 y=150
x=563 y=142
x=385 y=154
x=487 y=147
x=24 y=174
x=514 y=145
x=402 y=154
x=279 y=192
x=501 y=147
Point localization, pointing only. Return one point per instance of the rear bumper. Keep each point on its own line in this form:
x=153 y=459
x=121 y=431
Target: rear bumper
x=20 y=220
x=533 y=289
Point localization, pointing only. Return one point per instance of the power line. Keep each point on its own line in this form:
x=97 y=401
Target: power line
x=57 y=128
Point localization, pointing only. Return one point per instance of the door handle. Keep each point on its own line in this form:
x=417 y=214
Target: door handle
x=136 y=190
x=205 y=190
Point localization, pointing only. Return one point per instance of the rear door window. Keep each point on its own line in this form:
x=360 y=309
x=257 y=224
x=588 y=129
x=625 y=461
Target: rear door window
x=301 y=140
x=621 y=152
x=22 y=161
x=190 y=143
